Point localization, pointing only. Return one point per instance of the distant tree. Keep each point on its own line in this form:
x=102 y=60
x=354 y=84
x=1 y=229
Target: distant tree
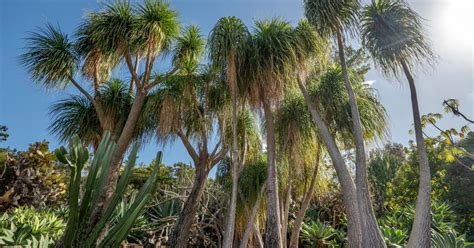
x=3 y=133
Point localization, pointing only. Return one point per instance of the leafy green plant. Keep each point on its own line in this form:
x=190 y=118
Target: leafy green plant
x=319 y=234
x=448 y=240
x=30 y=178
x=83 y=228
x=394 y=237
x=29 y=227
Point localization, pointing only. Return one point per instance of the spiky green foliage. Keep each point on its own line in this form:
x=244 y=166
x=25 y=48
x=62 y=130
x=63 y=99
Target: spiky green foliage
x=226 y=45
x=190 y=101
x=294 y=128
x=329 y=16
x=269 y=60
x=228 y=38
x=24 y=225
x=76 y=115
x=112 y=29
x=311 y=49
x=330 y=92
x=393 y=33
x=156 y=25
x=78 y=232
x=50 y=57
x=189 y=47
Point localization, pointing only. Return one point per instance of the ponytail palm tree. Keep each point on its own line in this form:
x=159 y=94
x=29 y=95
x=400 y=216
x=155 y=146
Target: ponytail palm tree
x=296 y=136
x=334 y=106
x=191 y=106
x=113 y=34
x=76 y=115
x=394 y=36
x=268 y=63
x=337 y=18
x=226 y=46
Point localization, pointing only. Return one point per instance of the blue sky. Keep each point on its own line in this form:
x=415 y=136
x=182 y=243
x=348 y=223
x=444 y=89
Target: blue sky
x=24 y=105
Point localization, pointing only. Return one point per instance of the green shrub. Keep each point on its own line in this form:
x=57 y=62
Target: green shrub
x=26 y=226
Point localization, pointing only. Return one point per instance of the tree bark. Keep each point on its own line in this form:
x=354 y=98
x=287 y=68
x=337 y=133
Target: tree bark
x=273 y=225
x=122 y=146
x=251 y=221
x=286 y=210
x=420 y=235
x=295 y=233
x=354 y=226
x=180 y=234
x=230 y=219
x=258 y=237
x=371 y=234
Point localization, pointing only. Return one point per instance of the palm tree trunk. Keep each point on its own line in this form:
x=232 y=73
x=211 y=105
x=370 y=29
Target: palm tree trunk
x=295 y=233
x=258 y=237
x=371 y=235
x=230 y=220
x=354 y=226
x=251 y=221
x=286 y=210
x=273 y=225
x=420 y=234
x=121 y=147
x=180 y=234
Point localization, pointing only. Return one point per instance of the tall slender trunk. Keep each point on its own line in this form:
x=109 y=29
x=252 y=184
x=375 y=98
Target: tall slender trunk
x=273 y=225
x=371 y=234
x=251 y=221
x=420 y=234
x=230 y=219
x=354 y=226
x=180 y=234
x=295 y=233
x=286 y=210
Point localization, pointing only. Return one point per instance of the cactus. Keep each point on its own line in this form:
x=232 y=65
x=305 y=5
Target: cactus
x=79 y=232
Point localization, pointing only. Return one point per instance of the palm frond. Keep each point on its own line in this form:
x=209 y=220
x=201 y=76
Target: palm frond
x=156 y=25
x=393 y=34
x=329 y=16
x=189 y=47
x=50 y=56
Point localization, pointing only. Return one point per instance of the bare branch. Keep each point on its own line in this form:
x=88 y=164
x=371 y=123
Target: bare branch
x=188 y=146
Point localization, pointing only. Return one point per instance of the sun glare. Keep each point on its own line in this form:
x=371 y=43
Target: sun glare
x=456 y=21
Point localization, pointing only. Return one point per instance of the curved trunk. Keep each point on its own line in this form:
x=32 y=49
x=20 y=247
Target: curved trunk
x=295 y=233
x=180 y=234
x=354 y=226
x=420 y=234
x=273 y=225
x=371 y=234
x=230 y=219
x=251 y=221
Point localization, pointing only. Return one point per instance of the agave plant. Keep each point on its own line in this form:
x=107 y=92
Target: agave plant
x=448 y=240
x=79 y=231
x=320 y=234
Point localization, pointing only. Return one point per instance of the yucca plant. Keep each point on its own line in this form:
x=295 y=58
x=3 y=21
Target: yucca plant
x=79 y=231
